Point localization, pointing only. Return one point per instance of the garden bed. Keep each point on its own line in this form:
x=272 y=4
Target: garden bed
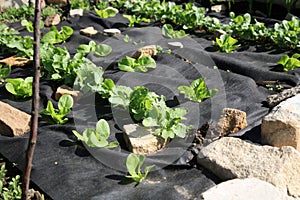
x=65 y=168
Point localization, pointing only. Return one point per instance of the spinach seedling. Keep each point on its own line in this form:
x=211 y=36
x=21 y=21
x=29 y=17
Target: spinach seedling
x=97 y=138
x=107 y=12
x=134 y=164
x=166 y=121
x=19 y=87
x=226 y=43
x=4 y=72
x=141 y=101
x=135 y=20
x=65 y=104
x=141 y=64
x=29 y=25
x=120 y=96
x=169 y=32
x=56 y=37
x=97 y=49
x=289 y=63
x=197 y=91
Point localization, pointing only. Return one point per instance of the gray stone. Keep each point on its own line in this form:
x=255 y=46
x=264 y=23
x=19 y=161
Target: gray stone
x=230 y=158
x=231 y=121
x=275 y=99
x=241 y=189
x=13 y=122
x=76 y=12
x=281 y=127
x=175 y=45
x=111 y=31
x=89 y=31
x=140 y=140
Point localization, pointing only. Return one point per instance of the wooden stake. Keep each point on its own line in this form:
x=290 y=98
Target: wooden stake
x=35 y=102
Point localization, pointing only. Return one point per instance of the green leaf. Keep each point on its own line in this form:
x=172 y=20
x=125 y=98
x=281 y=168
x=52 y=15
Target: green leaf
x=127 y=64
x=106 y=13
x=102 y=128
x=10 y=88
x=102 y=50
x=84 y=49
x=147 y=61
x=132 y=163
x=4 y=71
x=65 y=101
x=149 y=122
x=188 y=91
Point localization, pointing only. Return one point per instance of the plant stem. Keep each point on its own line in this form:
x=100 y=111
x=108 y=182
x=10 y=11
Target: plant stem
x=35 y=102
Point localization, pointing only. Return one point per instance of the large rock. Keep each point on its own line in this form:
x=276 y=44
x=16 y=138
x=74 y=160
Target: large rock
x=241 y=189
x=231 y=121
x=281 y=127
x=230 y=158
x=140 y=140
x=13 y=122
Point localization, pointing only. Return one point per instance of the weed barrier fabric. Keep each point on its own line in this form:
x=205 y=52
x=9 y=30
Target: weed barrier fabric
x=66 y=169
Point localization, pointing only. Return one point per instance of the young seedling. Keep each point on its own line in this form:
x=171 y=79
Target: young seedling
x=289 y=63
x=141 y=64
x=97 y=138
x=4 y=72
x=55 y=37
x=226 y=43
x=107 y=12
x=19 y=87
x=135 y=20
x=197 y=91
x=169 y=32
x=134 y=164
x=98 y=49
x=65 y=104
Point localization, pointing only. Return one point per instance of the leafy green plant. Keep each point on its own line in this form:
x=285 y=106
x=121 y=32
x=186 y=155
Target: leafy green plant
x=286 y=34
x=4 y=72
x=83 y=4
x=12 y=14
x=50 y=10
x=141 y=64
x=135 y=20
x=141 y=101
x=89 y=80
x=56 y=37
x=19 y=87
x=65 y=104
x=10 y=189
x=289 y=63
x=134 y=164
x=29 y=25
x=165 y=120
x=120 y=96
x=168 y=31
x=197 y=91
x=97 y=137
x=226 y=43
x=97 y=49
x=106 y=13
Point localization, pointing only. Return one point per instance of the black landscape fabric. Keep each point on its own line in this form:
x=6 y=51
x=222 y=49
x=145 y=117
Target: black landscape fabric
x=65 y=169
